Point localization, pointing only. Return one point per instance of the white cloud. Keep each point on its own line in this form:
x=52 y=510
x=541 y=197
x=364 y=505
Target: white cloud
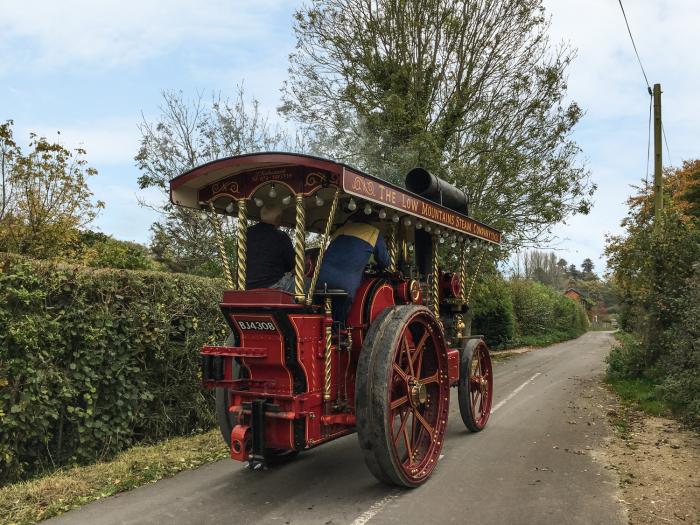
x=110 y=141
x=605 y=79
x=107 y=33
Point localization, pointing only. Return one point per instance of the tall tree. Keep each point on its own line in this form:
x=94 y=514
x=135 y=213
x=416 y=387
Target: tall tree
x=587 y=266
x=186 y=134
x=9 y=153
x=543 y=267
x=472 y=90
x=562 y=264
x=46 y=200
x=654 y=268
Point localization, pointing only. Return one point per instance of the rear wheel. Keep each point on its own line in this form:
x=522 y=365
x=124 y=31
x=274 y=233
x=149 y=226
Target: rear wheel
x=475 y=387
x=402 y=395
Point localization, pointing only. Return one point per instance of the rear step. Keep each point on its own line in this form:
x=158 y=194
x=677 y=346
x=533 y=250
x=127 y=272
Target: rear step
x=214 y=359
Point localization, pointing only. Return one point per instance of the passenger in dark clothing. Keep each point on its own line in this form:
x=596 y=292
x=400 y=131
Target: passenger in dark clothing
x=270 y=253
x=346 y=257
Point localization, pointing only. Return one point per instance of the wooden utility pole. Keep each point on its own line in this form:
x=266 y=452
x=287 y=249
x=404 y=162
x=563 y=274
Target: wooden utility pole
x=658 y=181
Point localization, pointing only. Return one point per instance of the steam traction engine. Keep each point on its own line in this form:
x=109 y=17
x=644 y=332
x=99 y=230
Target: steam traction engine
x=289 y=378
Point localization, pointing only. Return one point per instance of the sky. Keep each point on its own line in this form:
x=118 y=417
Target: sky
x=94 y=70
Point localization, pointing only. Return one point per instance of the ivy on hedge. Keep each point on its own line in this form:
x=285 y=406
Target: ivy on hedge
x=92 y=361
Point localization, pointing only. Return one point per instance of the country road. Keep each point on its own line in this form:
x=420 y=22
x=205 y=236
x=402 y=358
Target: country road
x=532 y=464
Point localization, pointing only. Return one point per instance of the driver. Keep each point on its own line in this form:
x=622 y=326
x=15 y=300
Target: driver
x=271 y=258
x=347 y=255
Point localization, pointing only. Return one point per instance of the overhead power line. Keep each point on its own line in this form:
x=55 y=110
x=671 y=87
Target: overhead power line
x=624 y=15
x=668 y=151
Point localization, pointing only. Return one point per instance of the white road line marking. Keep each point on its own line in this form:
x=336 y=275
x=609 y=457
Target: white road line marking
x=375 y=509
x=377 y=506
x=514 y=393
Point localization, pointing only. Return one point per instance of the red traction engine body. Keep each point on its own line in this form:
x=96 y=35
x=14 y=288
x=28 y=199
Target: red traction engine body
x=290 y=376
x=275 y=373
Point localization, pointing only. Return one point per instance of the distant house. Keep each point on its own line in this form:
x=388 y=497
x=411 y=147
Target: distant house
x=575 y=295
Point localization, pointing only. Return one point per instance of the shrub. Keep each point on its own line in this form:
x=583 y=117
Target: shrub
x=543 y=315
x=492 y=311
x=92 y=361
x=626 y=359
x=679 y=364
x=102 y=251
x=655 y=267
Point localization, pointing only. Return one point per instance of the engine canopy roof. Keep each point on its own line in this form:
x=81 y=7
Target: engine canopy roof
x=280 y=177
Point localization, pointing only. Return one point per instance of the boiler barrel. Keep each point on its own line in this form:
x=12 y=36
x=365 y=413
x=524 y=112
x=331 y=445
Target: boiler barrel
x=421 y=182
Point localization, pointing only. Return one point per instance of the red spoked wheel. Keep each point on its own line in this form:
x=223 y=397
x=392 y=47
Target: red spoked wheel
x=475 y=387
x=402 y=393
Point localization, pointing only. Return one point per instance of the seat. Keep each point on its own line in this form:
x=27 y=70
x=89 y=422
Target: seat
x=330 y=292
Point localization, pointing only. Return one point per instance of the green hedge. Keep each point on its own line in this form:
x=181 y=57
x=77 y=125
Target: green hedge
x=492 y=311
x=92 y=361
x=522 y=312
x=544 y=315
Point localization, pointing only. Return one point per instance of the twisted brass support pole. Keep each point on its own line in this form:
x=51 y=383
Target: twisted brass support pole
x=435 y=281
x=463 y=272
x=322 y=249
x=478 y=267
x=241 y=242
x=393 y=247
x=216 y=225
x=299 y=242
x=460 y=326
x=328 y=355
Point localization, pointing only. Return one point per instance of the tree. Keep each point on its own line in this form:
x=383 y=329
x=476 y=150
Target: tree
x=544 y=268
x=473 y=91
x=587 y=269
x=103 y=251
x=189 y=133
x=656 y=273
x=46 y=200
x=9 y=153
x=649 y=268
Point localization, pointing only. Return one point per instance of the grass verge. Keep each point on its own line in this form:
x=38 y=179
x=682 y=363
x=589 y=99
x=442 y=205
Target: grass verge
x=539 y=340
x=642 y=393
x=38 y=499
x=502 y=355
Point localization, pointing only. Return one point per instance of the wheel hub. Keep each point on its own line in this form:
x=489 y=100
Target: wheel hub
x=484 y=383
x=419 y=394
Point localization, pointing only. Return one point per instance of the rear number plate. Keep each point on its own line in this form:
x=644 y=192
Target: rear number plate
x=257 y=325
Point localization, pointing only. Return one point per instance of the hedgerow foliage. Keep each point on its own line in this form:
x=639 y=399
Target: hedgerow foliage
x=492 y=311
x=656 y=268
x=544 y=315
x=92 y=361
x=520 y=312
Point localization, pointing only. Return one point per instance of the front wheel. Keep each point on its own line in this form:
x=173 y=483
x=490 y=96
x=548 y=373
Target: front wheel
x=402 y=395
x=475 y=387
